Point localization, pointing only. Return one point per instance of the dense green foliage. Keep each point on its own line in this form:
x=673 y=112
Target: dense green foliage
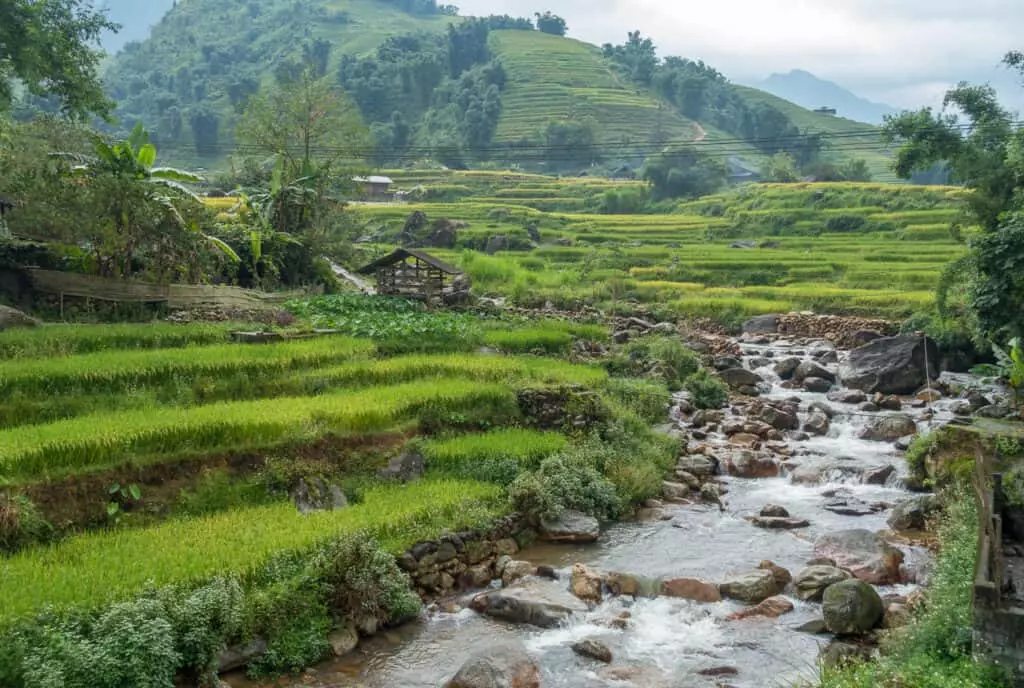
x=497 y=457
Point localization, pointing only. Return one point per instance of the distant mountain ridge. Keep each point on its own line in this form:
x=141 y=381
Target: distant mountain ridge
x=809 y=91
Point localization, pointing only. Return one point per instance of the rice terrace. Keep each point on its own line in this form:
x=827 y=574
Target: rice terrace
x=368 y=343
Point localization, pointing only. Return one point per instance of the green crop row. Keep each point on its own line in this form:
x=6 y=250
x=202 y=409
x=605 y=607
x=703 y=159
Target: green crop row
x=95 y=442
x=497 y=456
x=95 y=569
x=114 y=370
x=64 y=340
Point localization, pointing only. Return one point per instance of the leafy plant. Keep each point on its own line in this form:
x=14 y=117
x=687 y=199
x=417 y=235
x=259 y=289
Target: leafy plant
x=706 y=390
x=565 y=481
x=1011 y=362
x=121 y=499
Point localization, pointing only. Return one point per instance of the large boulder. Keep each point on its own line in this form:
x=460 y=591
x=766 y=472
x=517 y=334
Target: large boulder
x=691 y=589
x=747 y=464
x=891 y=365
x=570 y=526
x=779 y=419
x=752 y=587
x=888 y=428
x=594 y=649
x=698 y=465
x=786 y=368
x=12 y=317
x=772 y=608
x=811 y=582
x=852 y=607
x=526 y=604
x=585 y=584
x=808 y=369
x=762 y=324
x=863 y=553
x=737 y=378
x=913 y=513
x=505 y=666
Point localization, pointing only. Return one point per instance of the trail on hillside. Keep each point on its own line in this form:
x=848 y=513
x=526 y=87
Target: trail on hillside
x=701 y=134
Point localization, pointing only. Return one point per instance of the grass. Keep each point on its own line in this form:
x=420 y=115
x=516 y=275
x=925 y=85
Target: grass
x=64 y=340
x=108 y=371
x=96 y=569
x=91 y=443
x=497 y=456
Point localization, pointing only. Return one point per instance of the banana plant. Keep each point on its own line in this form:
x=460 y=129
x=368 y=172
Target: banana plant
x=134 y=159
x=1011 y=363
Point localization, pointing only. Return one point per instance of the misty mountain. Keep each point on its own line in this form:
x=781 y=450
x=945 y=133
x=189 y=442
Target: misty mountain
x=136 y=17
x=807 y=90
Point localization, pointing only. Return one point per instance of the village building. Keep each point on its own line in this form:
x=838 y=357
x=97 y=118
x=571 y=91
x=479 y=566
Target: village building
x=375 y=186
x=413 y=274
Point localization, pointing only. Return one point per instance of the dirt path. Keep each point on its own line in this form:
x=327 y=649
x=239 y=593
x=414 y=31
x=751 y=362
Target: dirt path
x=701 y=134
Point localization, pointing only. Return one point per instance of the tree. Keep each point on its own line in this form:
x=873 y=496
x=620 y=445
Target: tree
x=781 y=168
x=52 y=48
x=684 y=172
x=986 y=156
x=571 y=143
x=551 y=23
x=205 y=125
x=856 y=170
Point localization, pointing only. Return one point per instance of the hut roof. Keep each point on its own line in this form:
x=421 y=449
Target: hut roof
x=403 y=253
x=373 y=179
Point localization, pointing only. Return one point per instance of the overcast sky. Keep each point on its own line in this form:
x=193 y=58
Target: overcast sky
x=901 y=52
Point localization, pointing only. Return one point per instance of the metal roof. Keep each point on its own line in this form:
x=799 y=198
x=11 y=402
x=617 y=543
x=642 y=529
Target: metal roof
x=403 y=253
x=373 y=179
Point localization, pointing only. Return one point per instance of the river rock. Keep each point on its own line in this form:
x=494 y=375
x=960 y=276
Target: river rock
x=774 y=511
x=593 y=649
x=822 y=407
x=751 y=587
x=810 y=583
x=913 y=514
x=691 y=589
x=726 y=363
x=779 y=419
x=817 y=424
x=838 y=654
x=622 y=584
x=585 y=584
x=745 y=440
x=477 y=576
x=888 y=402
x=994 y=411
x=12 y=317
x=343 y=640
x=740 y=377
x=817 y=384
x=665 y=329
x=762 y=324
x=698 y=465
x=238 y=656
x=772 y=608
x=526 y=604
x=863 y=553
x=879 y=475
x=506 y=546
x=786 y=368
x=851 y=607
x=888 y=428
x=505 y=666
x=674 y=492
x=814 y=627
x=847 y=396
x=808 y=369
x=688 y=479
x=776 y=523
x=891 y=365
x=515 y=571
x=747 y=464
x=848 y=505
x=570 y=526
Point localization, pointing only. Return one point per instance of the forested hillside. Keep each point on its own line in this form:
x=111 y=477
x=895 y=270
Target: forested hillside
x=461 y=91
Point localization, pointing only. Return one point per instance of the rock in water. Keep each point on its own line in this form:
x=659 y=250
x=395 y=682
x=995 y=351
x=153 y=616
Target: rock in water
x=505 y=666
x=751 y=587
x=863 y=553
x=585 y=584
x=817 y=424
x=786 y=368
x=891 y=365
x=808 y=369
x=852 y=607
x=593 y=649
x=740 y=377
x=772 y=608
x=762 y=324
x=889 y=428
x=526 y=605
x=912 y=514
x=778 y=523
x=811 y=582
x=12 y=317
x=774 y=511
x=570 y=526
x=691 y=589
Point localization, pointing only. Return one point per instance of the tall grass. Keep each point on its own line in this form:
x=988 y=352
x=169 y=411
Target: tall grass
x=116 y=370
x=95 y=442
x=498 y=456
x=95 y=569
x=64 y=340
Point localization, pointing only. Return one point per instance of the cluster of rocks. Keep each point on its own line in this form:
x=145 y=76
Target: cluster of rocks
x=843 y=331
x=12 y=317
x=275 y=317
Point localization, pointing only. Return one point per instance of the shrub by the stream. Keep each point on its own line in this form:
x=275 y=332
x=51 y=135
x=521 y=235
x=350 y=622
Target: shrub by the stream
x=649 y=399
x=663 y=358
x=706 y=390
x=934 y=650
x=565 y=481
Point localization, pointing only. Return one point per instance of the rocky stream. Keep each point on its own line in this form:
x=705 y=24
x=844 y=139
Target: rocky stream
x=778 y=501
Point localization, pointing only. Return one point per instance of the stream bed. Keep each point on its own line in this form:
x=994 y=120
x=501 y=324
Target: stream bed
x=668 y=642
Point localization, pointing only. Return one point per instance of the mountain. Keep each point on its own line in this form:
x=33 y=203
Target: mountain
x=807 y=90
x=462 y=90
x=135 y=17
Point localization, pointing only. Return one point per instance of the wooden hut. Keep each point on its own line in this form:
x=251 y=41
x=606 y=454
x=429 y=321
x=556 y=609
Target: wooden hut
x=412 y=274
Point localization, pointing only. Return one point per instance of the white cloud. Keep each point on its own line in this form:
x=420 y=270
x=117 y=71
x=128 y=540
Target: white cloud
x=903 y=51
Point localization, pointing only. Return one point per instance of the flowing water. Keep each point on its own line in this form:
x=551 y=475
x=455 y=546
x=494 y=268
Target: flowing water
x=668 y=641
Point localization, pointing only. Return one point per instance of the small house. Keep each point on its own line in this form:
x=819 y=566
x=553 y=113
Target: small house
x=375 y=186
x=413 y=274
x=826 y=111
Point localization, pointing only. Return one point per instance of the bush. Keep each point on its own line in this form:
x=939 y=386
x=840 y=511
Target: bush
x=662 y=357
x=845 y=223
x=647 y=398
x=706 y=390
x=21 y=524
x=565 y=481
